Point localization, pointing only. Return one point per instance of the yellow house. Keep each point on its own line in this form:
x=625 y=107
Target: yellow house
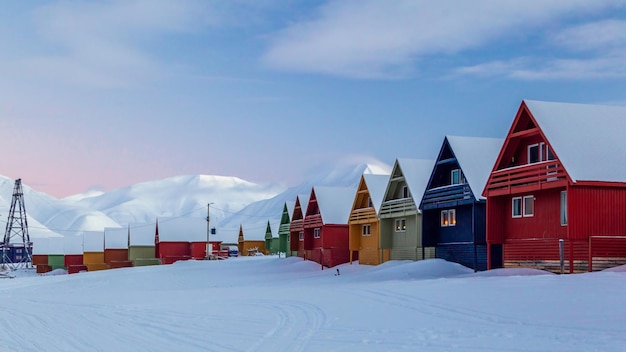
x=249 y=247
x=364 y=223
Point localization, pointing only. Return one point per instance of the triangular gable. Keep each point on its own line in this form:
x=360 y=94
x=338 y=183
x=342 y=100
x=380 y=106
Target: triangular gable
x=587 y=139
x=334 y=204
x=287 y=211
x=475 y=157
x=300 y=207
x=415 y=173
x=268 y=231
x=240 y=237
x=371 y=186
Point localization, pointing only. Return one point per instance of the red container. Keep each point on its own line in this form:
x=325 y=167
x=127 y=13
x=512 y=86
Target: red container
x=73 y=259
x=43 y=268
x=73 y=269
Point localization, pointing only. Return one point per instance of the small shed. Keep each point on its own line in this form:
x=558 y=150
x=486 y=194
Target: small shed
x=56 y=253
x=141 y=249
x=73 y=248
x=181 y=238
x=249 y=247
x=93 y=250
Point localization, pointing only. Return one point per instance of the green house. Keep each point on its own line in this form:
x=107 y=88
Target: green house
x=141 y=247
x=271 y=242
x=283 y=228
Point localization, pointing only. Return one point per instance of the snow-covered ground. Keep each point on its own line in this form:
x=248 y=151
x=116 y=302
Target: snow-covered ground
x=287 y=304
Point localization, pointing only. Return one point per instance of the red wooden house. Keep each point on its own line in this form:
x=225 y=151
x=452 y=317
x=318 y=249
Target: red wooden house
x=296 y=226
x=180 y=239
x=326 y=230
x=560 y=177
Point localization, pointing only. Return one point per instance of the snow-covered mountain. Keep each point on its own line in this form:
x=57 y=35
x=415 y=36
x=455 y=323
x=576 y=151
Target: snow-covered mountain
x=234 y=202
x=48 y=216
x=179 y=196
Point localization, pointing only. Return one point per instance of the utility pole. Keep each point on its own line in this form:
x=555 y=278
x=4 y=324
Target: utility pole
x=209 y=251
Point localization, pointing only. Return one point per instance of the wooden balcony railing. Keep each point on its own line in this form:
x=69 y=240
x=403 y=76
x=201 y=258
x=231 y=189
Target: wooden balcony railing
x=363 y=214
x=397 y=205
x=451 y=195
x=546 y=174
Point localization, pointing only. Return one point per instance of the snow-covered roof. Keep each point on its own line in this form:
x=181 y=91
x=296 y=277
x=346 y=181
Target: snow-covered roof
x=182 y=229
x=56 y=245
x=142 y=234
x=335 y=203
x=376 y=186
x=41 y=246
x=73 y=244
x=115 y=237
x=587 y=139
x=476 y=157
x=93 y=241
x=416 y=173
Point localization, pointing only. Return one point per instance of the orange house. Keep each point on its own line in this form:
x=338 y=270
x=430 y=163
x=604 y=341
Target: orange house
x=364 y=223
x=249 y=247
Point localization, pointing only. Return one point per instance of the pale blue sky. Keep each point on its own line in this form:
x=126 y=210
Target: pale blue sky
x=110 y=93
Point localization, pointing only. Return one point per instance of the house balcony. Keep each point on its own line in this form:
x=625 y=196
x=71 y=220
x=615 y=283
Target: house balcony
x=447 y=196
x=284 y=229
x=527 y=178
x=363 y=215
x=394 y=206
x=314 y=220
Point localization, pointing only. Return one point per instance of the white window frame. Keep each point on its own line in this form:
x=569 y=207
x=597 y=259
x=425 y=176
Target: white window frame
x=563 y=210
x=301 y=236
x=366 y=230
x=444 y=220
x=524 y=213
x=461 y=179
x=521 y=211
x=405 y=192
x=400 y=225
x=317 y=232
x=528 y=153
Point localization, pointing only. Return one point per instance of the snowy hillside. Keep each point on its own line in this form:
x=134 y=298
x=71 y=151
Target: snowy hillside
x=185 y=196
x=48 y=216
x=278 y=304
x=254 y=217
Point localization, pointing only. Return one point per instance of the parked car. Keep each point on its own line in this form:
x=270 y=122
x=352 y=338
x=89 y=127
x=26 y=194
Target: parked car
x=233 y=252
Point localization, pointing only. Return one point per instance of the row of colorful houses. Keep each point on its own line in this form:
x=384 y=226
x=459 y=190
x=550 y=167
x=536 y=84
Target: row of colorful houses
x=164 y=242
x=554 y=187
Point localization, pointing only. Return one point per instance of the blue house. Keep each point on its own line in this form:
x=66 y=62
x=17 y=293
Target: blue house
x=453 y=209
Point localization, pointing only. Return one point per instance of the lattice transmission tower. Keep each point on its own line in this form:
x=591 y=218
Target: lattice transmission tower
x=16 y=247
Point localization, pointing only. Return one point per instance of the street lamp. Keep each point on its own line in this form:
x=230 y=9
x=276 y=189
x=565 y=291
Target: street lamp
x=208 y=231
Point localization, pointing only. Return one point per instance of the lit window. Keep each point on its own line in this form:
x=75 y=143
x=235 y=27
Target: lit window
x=448 y=217
x=301 y=235
x=529 y=205
x=365 y=230
x=316 y=233
x=564 y=208
x=517 y=207
x=452 y=217
x=400 y=225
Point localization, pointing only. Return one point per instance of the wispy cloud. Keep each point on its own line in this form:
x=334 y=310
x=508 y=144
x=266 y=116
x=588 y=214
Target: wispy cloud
x=595 y=50
x=373 y=39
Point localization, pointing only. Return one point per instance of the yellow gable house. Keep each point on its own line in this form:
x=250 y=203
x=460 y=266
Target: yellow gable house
x=364 y=223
